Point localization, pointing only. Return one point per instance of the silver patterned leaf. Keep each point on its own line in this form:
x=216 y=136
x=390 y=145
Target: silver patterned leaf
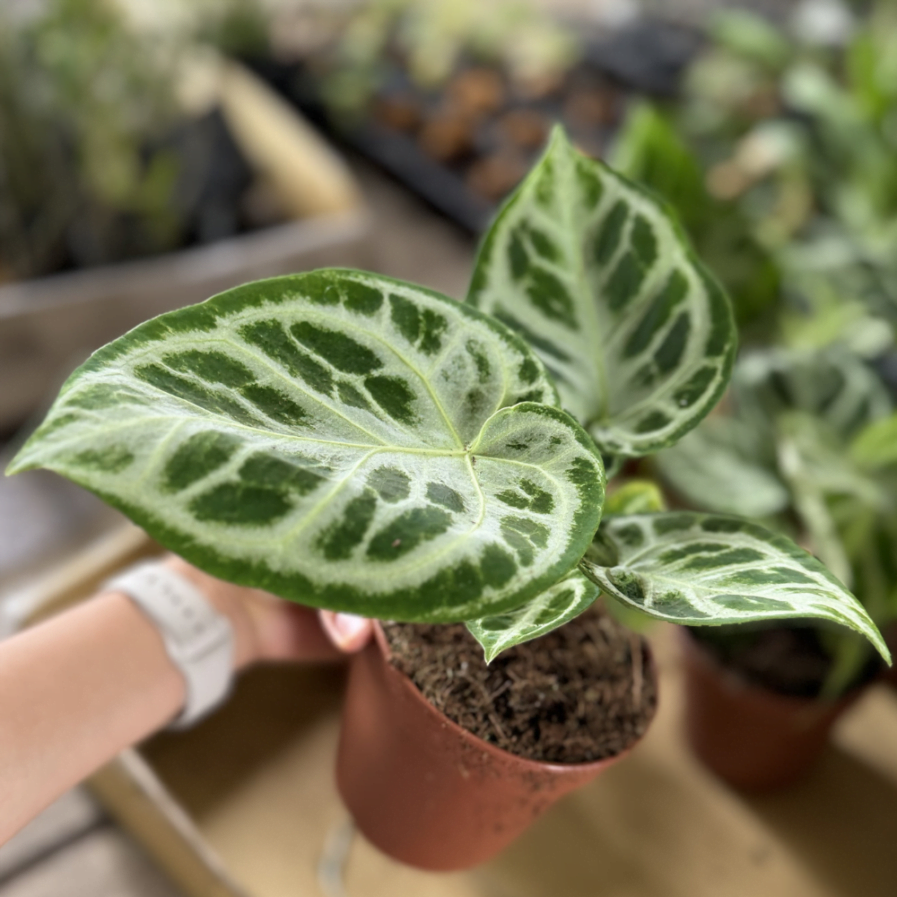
x=831 y=384
x=340 y=439
x=706 y=570
x=597 y=276
x=555 y=606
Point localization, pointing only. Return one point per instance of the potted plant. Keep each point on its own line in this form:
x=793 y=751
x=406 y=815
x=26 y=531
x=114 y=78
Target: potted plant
x=353 y=442
x=132 y=181
x=805 y=445
x=793 y=139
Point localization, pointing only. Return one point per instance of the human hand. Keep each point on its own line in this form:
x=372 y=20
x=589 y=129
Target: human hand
x=269 y=628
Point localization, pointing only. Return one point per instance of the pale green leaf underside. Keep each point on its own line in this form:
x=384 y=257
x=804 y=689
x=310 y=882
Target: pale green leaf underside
x=340 y=439
x=597 y=276
x=706 y=570
x=555 y=606
x=719 y=467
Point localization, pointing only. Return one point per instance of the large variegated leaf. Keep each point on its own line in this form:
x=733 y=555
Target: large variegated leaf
x=555 y=606
x=598 y=277
x=340 y=439
x=702 y=569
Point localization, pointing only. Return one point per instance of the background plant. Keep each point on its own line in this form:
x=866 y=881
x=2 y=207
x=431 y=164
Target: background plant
x=84 y=104
x=795 y=138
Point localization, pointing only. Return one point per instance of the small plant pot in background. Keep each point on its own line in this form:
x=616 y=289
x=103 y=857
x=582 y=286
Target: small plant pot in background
x=749 y=736
x=426 y=791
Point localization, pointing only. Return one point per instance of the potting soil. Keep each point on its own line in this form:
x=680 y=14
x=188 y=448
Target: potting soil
x=582 y=693
x=788 y=660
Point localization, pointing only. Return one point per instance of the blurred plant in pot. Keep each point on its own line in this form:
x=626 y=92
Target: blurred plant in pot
x=358 y=443
x=81 y=100
x=804 y=446
x=797 y=140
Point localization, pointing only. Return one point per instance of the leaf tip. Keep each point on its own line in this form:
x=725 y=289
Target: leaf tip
x=882 y=647
x=17 y=465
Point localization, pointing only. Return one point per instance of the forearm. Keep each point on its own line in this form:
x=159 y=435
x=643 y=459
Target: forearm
x=74 y=691
x=77 y=689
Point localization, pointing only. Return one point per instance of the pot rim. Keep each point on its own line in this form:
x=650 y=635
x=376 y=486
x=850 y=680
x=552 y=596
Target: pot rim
x=694 y=647
x=495 y=751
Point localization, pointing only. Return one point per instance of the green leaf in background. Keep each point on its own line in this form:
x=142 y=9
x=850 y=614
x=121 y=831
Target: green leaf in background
x=599 y=278
x=749 y=34
x=555 y=606
x=340 y=439
x=725 y=466
x=875 y=446
x=702 y=569
x=649 y=150
x=635 y=497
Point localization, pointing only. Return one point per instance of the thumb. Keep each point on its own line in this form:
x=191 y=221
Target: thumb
x=348 y=632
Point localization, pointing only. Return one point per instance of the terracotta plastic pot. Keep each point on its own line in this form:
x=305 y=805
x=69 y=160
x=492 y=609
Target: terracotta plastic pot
x=752 y=738
x=425 y=791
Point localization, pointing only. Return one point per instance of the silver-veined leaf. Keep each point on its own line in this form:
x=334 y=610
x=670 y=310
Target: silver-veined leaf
x=831 y=384
x=555 y=606
x=598 y=277
x=340 y=439
x=706 y=570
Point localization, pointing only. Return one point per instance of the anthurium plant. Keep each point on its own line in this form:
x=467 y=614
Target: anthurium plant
x=353 y=442
x=807 y=444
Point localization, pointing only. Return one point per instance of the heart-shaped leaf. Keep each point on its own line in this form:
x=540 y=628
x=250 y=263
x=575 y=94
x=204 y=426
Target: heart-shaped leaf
x=702 y=569
x=600 y=280
x=340 y=439
x=555 y=606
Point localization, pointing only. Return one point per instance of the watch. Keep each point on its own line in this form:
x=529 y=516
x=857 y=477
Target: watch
x=199 y=640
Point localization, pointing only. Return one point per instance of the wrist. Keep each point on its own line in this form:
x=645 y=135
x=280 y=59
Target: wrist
x=229 y=601
x=200 y=628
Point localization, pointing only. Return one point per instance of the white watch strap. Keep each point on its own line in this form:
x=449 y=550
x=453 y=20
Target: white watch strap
x=198 y=639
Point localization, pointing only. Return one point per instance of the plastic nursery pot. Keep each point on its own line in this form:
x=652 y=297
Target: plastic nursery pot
x=752 y=738
x=425 y=791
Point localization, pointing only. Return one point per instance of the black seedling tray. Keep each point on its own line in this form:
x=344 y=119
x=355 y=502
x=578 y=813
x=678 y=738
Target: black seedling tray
x=643 y=59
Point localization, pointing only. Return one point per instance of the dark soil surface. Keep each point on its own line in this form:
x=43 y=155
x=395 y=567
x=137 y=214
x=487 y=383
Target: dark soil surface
x=788 y=660
x=582 y=693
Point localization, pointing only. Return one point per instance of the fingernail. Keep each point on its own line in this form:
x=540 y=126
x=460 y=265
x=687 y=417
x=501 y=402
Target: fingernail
x=349 y=626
